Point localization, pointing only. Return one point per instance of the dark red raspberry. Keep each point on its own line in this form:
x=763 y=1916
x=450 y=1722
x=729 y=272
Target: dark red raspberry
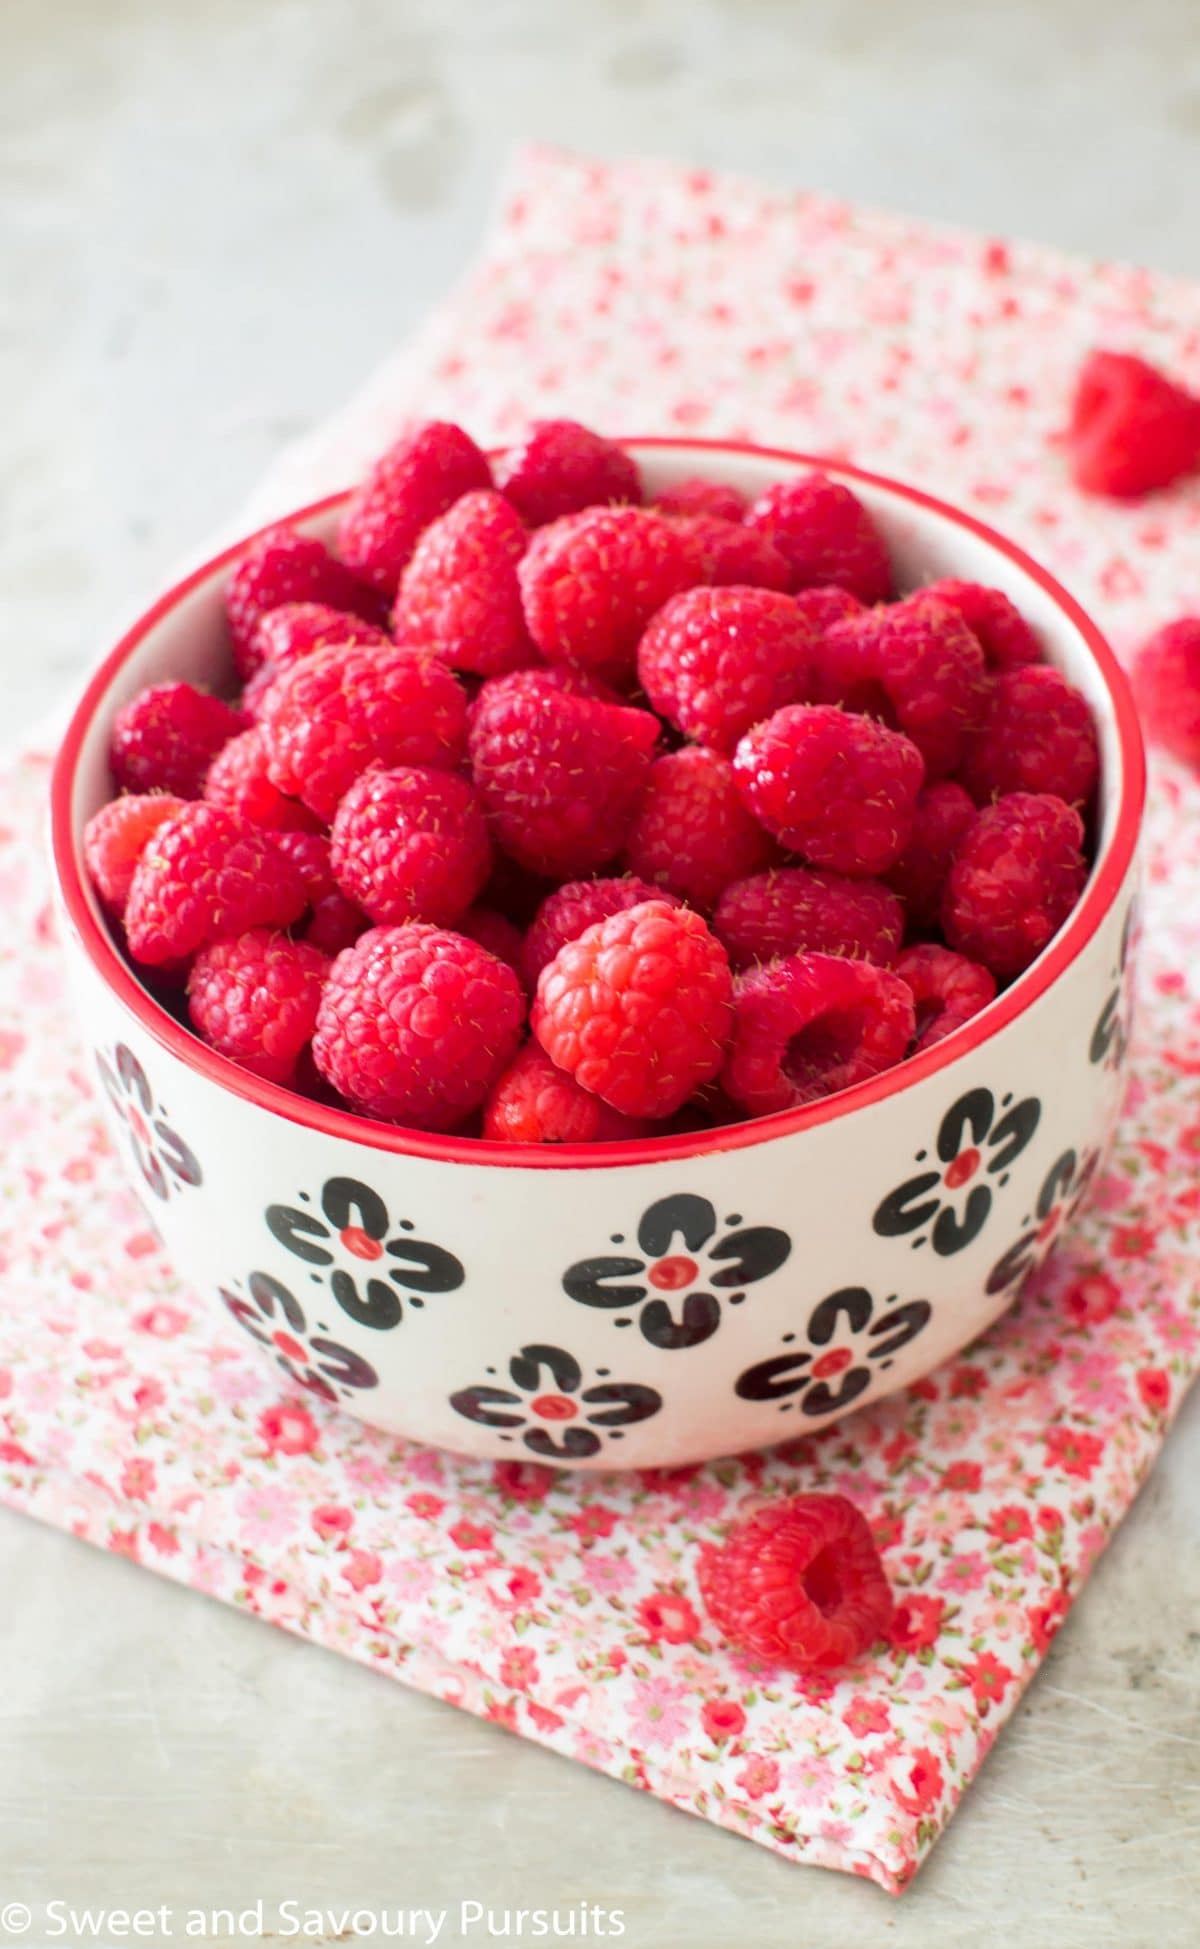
x=839 y=790
x=494 y=931
x=535 y=1103
x=558 y=775
x=334 y=922
x=115 y=838
x=205 y=874
x=165 y=739
x=1132 y=429
x=339 y=711
x=696 y=495
x=825 y=534
x=944 y=812
x=922 y=664
x=638 y=1009
x=238 y=779
x=284 y=567
x=1000 y=629
x=286 y=635
x=825 y=605
x=794 y=911
x=459 y=594
x=946 y=989
x=415 y=1025
x=591 y=582
x=799 y=1583
x=1166 y=680
x=572 y=908
x=417 y=479
x=810 y=1025
x=309 y=853
x=255 y=999
x=692 y=833
x=561 y=467
x=410 y=844
x=716 y=661
x=726 y=553
x=1016 y=876
x=1037 y=736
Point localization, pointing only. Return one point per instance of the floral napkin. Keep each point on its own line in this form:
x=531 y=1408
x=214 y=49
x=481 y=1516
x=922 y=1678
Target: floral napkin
x=653 y=299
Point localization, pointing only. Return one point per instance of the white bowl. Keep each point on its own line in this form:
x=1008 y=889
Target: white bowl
x=653 y=1302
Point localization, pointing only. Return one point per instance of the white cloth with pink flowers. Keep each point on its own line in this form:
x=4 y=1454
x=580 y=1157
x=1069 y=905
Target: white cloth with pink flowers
x=651 y=299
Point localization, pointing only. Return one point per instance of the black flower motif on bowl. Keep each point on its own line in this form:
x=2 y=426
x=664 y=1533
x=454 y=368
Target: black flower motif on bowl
x=848 y=1339
x=1063 y=1190
x=166 y=1163
x=549 y=1410
x=1109 y=1040
x=374 y=1268
x=274 y=1317
x=947 y=1203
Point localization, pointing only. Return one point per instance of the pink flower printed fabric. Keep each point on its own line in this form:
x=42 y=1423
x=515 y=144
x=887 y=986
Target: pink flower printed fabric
x=651 y=299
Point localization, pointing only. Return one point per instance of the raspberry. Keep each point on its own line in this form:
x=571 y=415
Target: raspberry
x=944 y=811
x=919 y=659
x=335 y=713
x=417 y=479
x=716 y=661
x=284 y=567
x=793 y=911
x=810 y=1025
x=255 y=1000
x=294 y=631
x=205 y=874
x=1037 y=736
x=839 y=790
x=561 y=467
x=238 y=780
x=494 y=931
x=1166 y=680
x=946 y=989
x=1016 y=876
x=1132 y=429
x=998 y=626
x=334 y=923
x=410 y=844
x=692 y=834
x=826 y=604
x=459 y=595
x=799 y=1583
x=309 y=853
x=165 y=739
x=638 y=1009
x=558 y=775
x=696 y=495
x=571 y=909
x=825 y=535
x=724 y=553
x=115 y=838
x=535 y=1103
x=416 y=1023
x=591 y=582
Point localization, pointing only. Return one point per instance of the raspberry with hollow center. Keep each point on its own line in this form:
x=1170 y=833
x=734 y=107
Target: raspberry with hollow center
x=1004 y=636
x=205 y=874
x=165 y=739
x=795 y=910
x=115 y=838
x=239 y=780
x=1166 y=681
x=799 y=1584
x=331 y=716
x=944 y=812
x=1037 y=735
x=254 y=998
x=459 y=594
x=839 y=790
x=410 y=844
x=947 y=990
x=536 y=1103
x=284 y=567
x=638 y=1009
x=810 y=1025
x=1132 y=429
x=590 y=583
x=917 y=665
x=825 y=534
x=692 y=834
x=418 y=478
x=572 y=908
x=1016 y=876
x=561 y=467
x=716 y=661
x=416 y=1023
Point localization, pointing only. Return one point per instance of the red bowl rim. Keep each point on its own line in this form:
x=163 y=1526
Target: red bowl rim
x=1097 y=901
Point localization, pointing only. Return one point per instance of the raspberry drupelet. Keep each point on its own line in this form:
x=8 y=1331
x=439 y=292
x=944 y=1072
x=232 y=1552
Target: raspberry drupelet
x=418 y=478
x=692 y=834
x=946 y=989
x=459 y=594
x=1017 y=874
x=410 y=844
x=255 y=998
x=535 y=1103
x=561 y=467
x=812 y=1024
x=798 y=910
x=590 y=583
x=1037 y=735
x=825 y=534
x=165 y=739
x=839 y=790
x=714 y=662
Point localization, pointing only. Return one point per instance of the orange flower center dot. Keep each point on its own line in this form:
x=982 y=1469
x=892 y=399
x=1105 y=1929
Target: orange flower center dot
x=289 y=1348
x=670 y=1275
x=554 y=1407
x=360 y=1243
x=962 y=1170
x=832 y=1363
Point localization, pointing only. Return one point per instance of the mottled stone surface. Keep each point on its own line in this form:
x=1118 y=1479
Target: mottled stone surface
x=216 y=216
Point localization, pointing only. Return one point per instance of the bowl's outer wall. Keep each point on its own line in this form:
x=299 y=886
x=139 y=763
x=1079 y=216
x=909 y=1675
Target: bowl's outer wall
x=538 y=1326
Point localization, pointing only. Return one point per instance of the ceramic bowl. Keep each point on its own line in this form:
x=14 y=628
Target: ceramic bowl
x=646 y=1302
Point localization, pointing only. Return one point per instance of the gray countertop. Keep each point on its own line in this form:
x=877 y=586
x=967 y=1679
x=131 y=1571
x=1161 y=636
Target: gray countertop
x=217 y=216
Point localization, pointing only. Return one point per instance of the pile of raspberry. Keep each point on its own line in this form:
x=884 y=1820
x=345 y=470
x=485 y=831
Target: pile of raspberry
x=538 y=811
